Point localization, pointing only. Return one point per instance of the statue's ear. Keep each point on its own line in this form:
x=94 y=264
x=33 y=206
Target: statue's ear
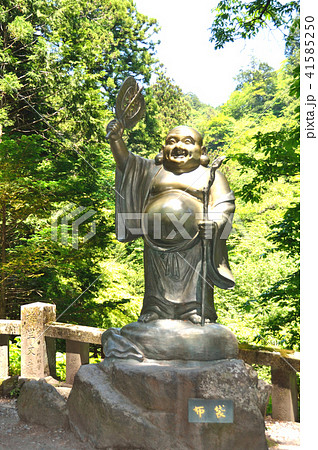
x=204 y=159
x=159 y=158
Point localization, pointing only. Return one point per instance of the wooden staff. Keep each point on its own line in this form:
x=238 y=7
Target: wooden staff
x=205 y=242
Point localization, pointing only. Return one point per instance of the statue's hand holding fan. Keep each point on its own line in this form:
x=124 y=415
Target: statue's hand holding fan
x=130 y=107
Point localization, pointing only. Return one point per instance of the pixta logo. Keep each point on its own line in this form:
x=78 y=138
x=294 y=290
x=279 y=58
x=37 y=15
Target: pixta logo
x=67 y=217
x=169 y=226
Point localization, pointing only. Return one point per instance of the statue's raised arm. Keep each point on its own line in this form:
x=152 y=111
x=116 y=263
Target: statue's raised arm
x=118 y=147
x=130 y=107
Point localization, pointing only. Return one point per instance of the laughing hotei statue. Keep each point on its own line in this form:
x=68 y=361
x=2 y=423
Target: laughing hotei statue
x=162 y=200
x=140 y=395
x=183 y=209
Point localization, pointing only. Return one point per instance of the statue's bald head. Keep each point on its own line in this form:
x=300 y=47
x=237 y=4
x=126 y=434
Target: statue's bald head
x=184 y=130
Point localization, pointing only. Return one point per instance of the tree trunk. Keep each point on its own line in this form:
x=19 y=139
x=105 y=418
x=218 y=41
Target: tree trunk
x=3 y=261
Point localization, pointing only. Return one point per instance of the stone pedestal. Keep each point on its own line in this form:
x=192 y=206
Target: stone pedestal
x=170 y=340
x=144 y=405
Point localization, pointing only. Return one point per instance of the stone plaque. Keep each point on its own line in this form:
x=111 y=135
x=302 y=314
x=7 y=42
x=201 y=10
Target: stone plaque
x=210 y=410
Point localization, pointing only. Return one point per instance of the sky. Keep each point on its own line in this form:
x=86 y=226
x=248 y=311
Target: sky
x=189 y=56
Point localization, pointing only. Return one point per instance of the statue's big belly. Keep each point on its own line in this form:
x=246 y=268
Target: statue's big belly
x=171 y=220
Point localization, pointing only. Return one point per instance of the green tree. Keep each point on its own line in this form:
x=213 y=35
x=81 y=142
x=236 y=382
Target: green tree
x=275 y=154
x=219 y=129
x=66 y=58
x=257 y=73
x=200 y=112
x=172 y=105
x=236 y=19
x=260 y=90
x=60 y=64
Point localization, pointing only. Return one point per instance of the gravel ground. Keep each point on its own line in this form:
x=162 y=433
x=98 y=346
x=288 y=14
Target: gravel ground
x=16 y=435
x=282 y=435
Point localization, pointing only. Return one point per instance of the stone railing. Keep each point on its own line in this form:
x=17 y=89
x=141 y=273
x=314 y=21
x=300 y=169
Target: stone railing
x=39 y=331
x=284 y=367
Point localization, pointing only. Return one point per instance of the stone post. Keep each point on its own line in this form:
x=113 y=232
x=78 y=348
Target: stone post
x=4 y=355
x=37 y=352
x=77 y=354
x=284 y=394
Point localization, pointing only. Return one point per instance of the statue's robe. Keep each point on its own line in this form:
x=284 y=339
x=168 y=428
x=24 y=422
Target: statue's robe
x=173 y=272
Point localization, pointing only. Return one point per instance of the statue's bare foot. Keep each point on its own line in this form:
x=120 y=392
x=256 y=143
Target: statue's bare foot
x=195 y=318
x=148 y=317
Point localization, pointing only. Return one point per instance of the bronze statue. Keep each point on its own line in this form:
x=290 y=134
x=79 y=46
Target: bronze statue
x=162 y=201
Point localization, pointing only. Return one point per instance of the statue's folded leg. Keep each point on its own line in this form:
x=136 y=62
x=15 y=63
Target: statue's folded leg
x=192 y=312
x=155 y=308
x=148 y=317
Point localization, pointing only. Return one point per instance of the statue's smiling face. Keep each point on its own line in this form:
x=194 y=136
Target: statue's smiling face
x=182 y=150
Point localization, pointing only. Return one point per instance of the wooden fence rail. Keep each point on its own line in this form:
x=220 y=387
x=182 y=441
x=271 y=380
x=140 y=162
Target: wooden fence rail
x=39 y=331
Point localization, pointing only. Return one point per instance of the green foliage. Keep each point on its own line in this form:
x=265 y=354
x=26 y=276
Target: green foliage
x=219 y=130
x=264 y=152
x=34 y=264
x=258 y=267
x=260 y=91
x=286 y=233
x=279 y=307
x=279 y=159
x=234 y=19
x=61 y=366
x=173 y=108
x=15 y=356
x=199 y=113
x=60 y=66
x=258 y=73
x=66 y=58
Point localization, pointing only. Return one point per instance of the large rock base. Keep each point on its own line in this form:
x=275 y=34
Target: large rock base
x=132 y=405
